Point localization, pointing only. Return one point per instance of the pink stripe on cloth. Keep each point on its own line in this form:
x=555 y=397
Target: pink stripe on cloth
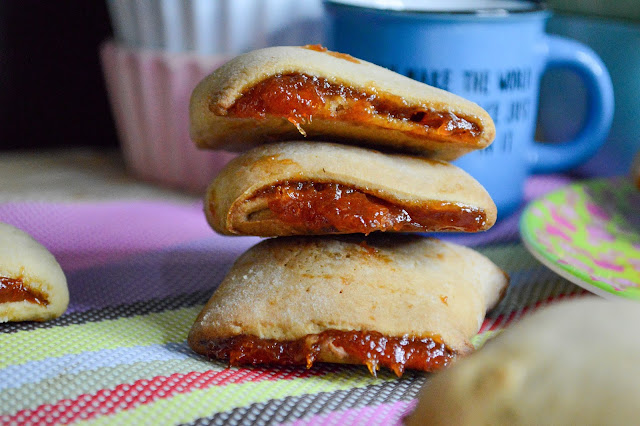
x=381 y=414
x=127 y=396
x=121 y=253
x=82 y=235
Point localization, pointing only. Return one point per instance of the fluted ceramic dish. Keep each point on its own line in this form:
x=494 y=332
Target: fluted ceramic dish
x=149 y=93
x=216 y=27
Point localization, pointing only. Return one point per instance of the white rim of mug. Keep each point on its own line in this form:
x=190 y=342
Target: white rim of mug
x=397 y=7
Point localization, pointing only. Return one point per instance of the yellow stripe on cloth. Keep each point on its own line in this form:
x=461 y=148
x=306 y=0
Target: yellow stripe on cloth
x=155 y=328
x=187 y=407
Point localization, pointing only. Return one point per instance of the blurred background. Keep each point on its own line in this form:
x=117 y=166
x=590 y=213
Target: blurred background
x=52 y=87
x=612 y=30
x=54 y=92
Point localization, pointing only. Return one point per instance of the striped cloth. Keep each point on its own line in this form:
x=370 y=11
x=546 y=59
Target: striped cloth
x=138 y=274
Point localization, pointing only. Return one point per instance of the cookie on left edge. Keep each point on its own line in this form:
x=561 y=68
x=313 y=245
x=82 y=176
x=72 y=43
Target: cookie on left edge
x=33 y=286
x=401 y=301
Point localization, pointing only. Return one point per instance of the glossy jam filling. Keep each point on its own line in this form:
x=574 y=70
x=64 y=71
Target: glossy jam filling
x=320 y=48
x=369 y=348
x=332 y=207
x=301 y=98
x=14 y=290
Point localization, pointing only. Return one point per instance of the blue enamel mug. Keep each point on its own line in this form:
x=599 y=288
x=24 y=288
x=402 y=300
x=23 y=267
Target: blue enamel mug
x=492 y=52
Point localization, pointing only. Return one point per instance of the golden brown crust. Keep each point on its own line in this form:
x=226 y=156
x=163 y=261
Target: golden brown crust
x=211 y=125
x=401 y=285
x=573 y=362
x=412 y=183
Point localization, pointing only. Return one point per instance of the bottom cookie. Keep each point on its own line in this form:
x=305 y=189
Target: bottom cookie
x=394 y=301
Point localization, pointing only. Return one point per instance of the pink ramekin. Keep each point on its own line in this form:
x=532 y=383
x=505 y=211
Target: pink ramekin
x=149 y=92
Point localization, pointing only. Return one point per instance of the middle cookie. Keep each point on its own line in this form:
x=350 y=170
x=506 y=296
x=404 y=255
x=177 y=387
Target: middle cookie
x=296 y=188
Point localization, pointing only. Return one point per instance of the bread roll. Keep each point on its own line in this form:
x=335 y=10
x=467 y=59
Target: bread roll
x=573 y=363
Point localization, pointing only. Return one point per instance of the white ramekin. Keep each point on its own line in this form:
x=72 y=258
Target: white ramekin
x=216 y=27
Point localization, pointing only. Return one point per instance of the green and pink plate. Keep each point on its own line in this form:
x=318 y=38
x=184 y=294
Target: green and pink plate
x=589 y=233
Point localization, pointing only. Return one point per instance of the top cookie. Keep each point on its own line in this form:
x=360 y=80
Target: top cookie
x=279 y=93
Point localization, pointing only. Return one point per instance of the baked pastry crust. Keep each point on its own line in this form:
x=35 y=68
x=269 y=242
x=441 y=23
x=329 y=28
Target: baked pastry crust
x=235 y=203
x=286 y=289
x=28 y=271
x=214 y=124
x=573 y=362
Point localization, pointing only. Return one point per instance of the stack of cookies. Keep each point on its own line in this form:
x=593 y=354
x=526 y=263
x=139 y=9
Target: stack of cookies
x=346 y=163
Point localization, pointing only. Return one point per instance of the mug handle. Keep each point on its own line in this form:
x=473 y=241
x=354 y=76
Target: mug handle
x=565 y=53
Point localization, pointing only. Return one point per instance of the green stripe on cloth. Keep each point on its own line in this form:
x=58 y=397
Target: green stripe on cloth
x=199 y=403
x=49 y=391
x=155 y=328
x=291 y=408
x=142 y=307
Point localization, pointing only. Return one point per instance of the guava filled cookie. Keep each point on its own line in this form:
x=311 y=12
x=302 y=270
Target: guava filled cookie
x=398 y=302
x=32 y=284
x=285 y=93
x=298 y=188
